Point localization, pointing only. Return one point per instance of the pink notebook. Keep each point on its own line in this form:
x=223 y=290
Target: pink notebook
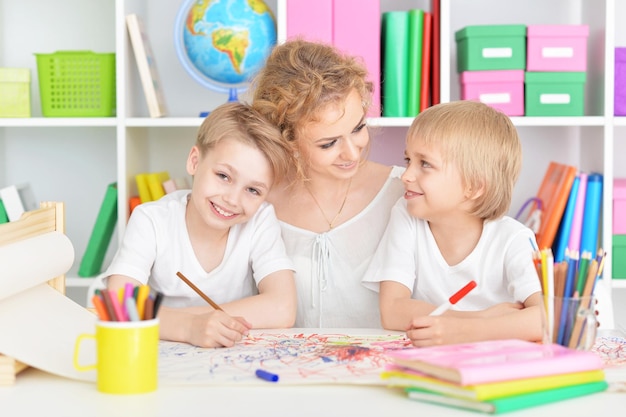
x=495 y=360
x=311 y=20
x=356 y=30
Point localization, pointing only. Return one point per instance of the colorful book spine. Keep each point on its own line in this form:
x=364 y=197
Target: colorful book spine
x=91 y=263
x=402 y=377
x=416 y=43
x=436 y=66
x=553 y=193
x=17 y=199
x=356 y=31
x=591 y=216
x=4 y=217
x=155 y=182
x=146 y=65
x=395 y=26
x=141 y=180
x=310 y=20
x=577 y=221
x=563 y=235
x=426 y=61
x=508 y=404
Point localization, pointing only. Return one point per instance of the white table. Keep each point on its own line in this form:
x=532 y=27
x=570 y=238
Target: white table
x=38 y=393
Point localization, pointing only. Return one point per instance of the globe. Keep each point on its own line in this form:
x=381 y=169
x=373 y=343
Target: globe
x=223 y=43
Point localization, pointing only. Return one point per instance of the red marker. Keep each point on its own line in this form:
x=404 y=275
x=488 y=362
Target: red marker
x=454 y=299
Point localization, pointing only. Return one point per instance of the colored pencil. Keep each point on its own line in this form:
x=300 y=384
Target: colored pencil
x=199 y=292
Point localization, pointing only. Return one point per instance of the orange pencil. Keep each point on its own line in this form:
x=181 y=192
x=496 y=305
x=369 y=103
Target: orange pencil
x=101 y=309
x=148 y=310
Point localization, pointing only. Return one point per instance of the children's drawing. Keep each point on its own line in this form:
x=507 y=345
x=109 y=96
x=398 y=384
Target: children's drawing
x=297 y=358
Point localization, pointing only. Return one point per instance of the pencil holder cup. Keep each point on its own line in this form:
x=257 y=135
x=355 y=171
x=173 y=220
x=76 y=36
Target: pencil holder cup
x=126 y=356
x=570 y=321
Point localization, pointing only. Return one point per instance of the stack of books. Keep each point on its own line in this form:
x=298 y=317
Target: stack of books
x=495 y=376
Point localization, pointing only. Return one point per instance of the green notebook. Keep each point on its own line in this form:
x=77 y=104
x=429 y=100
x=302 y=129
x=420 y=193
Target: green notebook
x=414 y=75
x=4 y=217
x=91 y=264
x=395 y=44
x=506 y=404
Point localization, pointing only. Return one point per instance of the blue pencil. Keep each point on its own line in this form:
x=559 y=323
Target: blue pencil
x=567 y=292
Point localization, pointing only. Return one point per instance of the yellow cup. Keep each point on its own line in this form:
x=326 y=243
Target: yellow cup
x=126 y=356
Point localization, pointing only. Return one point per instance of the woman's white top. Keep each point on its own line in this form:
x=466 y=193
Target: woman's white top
x=330 y=266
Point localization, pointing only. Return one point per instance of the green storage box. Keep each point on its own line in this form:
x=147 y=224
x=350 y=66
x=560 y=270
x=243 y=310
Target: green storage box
x=77 y=84
x=619 y=256
x=491 y=47
x=14 y=92
x=554 y=93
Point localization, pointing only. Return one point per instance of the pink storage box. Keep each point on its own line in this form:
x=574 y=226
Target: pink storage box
x=556 y=47
x=619 y=206
x=501 y=89
x=619 y=98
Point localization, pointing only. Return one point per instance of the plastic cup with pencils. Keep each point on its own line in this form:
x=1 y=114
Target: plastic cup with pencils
x=126 y=341
x=574 y=324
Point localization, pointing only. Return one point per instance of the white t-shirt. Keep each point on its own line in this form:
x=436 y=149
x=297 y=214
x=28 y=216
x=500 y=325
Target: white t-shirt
x=156 y=246
x=329 y=266
x=501 y=264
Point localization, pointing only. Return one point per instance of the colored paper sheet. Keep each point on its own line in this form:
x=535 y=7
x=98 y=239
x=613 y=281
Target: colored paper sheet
x=297 y=356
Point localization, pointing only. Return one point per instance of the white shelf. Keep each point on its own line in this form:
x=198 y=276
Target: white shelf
x=59 y=122
x=78 y=282
x=73 y=159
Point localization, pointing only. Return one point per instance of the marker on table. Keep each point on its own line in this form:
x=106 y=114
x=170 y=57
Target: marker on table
x=454 y=299
x=268 y=376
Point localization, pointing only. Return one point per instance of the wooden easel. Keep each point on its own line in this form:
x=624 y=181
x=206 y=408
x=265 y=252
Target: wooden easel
x=49 y=217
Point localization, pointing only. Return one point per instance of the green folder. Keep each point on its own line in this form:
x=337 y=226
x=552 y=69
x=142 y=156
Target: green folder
x=414 y=74
x=512 y=403
x=395 y=29
x=91 y=264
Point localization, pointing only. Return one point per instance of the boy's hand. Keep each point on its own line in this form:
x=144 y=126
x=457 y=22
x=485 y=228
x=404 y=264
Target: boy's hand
x=217 y=329
x=501 y=309
x=435 y=330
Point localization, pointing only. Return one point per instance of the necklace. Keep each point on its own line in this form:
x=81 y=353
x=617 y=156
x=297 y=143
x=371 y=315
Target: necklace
x=331 y=223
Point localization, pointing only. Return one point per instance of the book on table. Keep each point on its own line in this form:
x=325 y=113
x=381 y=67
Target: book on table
x=407 y=378
x=511 y=403
x=495 y=360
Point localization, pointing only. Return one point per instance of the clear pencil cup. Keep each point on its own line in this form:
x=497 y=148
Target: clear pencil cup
x=570 y=322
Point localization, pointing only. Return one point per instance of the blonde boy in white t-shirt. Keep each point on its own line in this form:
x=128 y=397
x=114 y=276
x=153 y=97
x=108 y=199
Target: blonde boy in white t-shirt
x=463 y=159
x=221 y=235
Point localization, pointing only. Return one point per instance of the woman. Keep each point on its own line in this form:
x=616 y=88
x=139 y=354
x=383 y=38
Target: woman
x=335 y=206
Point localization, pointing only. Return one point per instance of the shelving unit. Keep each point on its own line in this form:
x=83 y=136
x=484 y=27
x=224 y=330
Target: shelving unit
x=97 y=151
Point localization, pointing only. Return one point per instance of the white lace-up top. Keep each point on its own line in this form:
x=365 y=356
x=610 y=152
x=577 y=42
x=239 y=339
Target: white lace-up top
x=330 y=266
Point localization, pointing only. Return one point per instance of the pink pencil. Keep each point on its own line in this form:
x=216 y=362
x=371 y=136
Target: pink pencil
x=454 y=299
